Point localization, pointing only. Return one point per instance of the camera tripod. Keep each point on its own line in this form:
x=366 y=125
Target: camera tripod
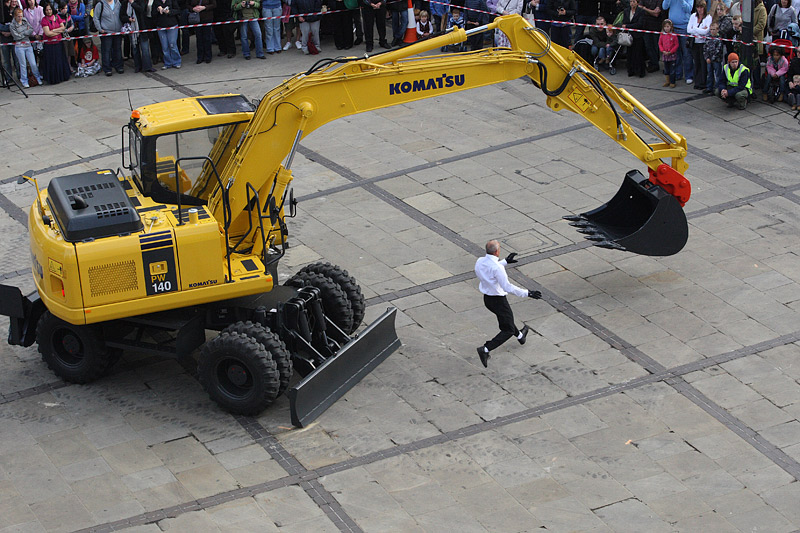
x=8 y=79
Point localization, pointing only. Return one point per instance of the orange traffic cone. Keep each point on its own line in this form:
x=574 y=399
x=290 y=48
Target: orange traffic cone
x=411 y=29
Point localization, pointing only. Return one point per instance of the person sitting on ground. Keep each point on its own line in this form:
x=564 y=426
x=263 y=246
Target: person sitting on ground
x=775 y=75
x=88 y=59
x=793 y=76
x=737 y=86
x=713 y=54
x=599 y=40
x=424 y=26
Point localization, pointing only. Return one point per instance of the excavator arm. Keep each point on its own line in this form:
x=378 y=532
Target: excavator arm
x=261 y=160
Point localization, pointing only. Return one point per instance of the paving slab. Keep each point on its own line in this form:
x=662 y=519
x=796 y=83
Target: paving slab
x=582 y=428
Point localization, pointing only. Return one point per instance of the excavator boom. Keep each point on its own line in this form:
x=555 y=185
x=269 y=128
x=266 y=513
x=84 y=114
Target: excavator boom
x=341 y=87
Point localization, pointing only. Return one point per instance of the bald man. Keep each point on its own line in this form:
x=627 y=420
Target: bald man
x=491 y=272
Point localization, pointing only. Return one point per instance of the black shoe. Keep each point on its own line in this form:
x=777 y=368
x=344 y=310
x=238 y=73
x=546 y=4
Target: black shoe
x=220 y=54
x=484 y=355
x=525 y=329
x=230 y=56
x=120 y=71
x=369 y=48
x=358 y=41
x=384 y=44
x=198 y=61
x=109 y=73
x=247 y=58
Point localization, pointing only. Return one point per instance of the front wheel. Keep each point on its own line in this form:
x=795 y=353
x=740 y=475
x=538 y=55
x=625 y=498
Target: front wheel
x=348 y=284
x=238 y=373
x=74 y=353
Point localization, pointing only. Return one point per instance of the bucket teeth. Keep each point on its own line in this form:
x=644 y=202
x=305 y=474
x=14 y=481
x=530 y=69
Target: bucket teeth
x=587 y=230
x=610 y=245
x=581 y=224
x=573 y=218
x=596 y=238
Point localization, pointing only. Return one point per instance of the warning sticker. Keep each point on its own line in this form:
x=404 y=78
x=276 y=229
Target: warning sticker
x=579 y=100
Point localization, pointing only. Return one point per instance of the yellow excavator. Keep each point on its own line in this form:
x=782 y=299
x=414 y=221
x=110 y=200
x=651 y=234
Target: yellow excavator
x=188 y=239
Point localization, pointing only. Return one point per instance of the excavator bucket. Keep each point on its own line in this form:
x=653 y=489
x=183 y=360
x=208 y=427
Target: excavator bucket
x=340 y=373
x=641 y=218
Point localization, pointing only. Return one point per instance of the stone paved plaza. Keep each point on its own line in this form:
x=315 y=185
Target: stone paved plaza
x=658 y=394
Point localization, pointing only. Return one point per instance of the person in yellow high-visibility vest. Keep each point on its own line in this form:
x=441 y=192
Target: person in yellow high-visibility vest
x=738 y=86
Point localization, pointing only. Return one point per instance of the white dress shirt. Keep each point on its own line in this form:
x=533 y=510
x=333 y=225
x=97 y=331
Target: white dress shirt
x=491 y=271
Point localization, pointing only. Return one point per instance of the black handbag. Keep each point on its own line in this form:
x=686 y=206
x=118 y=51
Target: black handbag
x=194 y=17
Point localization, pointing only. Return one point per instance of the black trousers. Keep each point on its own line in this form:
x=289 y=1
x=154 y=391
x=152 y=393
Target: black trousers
x=505 y=319
x=372 y=18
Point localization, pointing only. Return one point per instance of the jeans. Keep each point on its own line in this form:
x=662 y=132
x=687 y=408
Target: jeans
x=256 y=30
x=169 y=47
x=272 y=28
x=669 y=70
x=600 y=52
x=141 y=53
x=111 y=52
x=780 y=82
x=714 y=76
x=399 y=24
x=26 y=58
x=684 y=64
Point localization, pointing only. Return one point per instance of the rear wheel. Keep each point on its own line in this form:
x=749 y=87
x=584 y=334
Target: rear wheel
x=273 y=344
x=238 y=373
x=334 y=300
x=74 y=353
x=348 y=284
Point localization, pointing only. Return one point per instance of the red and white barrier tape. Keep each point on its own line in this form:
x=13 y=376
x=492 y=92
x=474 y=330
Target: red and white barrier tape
x=332 y=11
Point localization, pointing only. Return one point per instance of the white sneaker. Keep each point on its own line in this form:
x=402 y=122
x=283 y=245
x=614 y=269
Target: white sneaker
x=305 y=51
x=319 y=50
x=287 y=45
x=26 y=86
x=298 y=45
x=689 y=81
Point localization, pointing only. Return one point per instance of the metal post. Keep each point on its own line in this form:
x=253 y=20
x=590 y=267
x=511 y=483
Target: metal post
x=750 y=52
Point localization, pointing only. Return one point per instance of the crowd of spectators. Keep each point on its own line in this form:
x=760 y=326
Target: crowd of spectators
x=685 y=39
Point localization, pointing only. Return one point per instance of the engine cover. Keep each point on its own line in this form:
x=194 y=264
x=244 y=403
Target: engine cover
x=92 y=205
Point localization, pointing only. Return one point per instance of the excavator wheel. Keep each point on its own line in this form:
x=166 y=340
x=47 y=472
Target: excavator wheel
x=347 y=283
x=334 y=300
x=76 y=354
x=271 y=342
x=239 y=373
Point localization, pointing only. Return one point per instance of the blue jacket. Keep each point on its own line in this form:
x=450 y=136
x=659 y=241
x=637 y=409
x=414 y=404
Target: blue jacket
x=79 y=16
x=679 y=12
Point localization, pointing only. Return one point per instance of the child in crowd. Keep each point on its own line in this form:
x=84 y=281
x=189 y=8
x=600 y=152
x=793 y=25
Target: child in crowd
x=794 y=92
x=668 y=46
x=713 y=54
x=775 y=76
x=424 y=26
x=793 y=76
x=455 y=20
x=89 y=59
